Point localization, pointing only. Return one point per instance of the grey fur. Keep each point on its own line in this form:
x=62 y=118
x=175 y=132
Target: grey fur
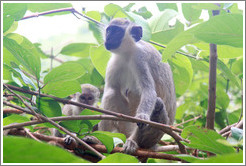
x=136 y=83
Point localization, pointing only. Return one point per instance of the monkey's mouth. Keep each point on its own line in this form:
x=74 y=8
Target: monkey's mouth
x=111 y=46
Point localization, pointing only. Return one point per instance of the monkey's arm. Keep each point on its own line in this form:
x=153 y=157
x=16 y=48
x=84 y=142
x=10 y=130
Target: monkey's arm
x=67 y=110
x=147 y=85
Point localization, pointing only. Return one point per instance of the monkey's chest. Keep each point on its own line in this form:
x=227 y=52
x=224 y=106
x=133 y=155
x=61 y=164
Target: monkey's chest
x=129 y=85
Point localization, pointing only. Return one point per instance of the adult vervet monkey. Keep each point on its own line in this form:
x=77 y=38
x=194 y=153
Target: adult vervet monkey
x=138 y=84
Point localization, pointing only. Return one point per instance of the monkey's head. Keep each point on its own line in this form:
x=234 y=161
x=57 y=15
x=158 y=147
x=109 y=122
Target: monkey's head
x=90 y=94
x=121 y=33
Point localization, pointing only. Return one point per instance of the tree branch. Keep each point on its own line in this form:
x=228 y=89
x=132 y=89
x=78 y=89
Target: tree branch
x=228 y=132
x=195 y=118
x=101 y=148
x=11 y=111
x=165 y=128
x=41 y=117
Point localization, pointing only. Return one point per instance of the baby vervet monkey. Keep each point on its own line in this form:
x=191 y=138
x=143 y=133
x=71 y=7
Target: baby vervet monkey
x=90 y=96
x=138 y=84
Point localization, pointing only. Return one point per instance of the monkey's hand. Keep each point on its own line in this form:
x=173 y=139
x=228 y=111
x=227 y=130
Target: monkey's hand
x=144 y=117
x=130 y=146
x=68 y=140
x=91 y=140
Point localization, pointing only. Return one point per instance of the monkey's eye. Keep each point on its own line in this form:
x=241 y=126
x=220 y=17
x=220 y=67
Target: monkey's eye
x=114 y=29
x=90 y=98
x=82 y=97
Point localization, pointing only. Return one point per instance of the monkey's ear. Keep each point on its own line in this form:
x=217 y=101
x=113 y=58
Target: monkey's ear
x=137 y=32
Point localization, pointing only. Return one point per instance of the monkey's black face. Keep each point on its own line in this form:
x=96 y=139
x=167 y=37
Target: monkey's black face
x=86 y=99
x=114 y=36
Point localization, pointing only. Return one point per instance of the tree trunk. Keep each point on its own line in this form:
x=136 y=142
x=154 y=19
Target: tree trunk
x=212 y=83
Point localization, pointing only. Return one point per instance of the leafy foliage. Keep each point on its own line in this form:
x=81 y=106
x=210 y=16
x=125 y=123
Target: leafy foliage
x=26 y=65
x=119 y=158
x=205 y=140
x=35 y=152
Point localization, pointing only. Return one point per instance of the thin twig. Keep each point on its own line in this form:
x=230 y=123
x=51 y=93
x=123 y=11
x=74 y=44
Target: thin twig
x=73 y=11
x=11 y=95
x=30 y=75
x=22 y=100
x=41 y=117
x=195 y=118
x=31 y=135
x=17 y=107
x=227 y=128
x=11 y=111
x=228 y=133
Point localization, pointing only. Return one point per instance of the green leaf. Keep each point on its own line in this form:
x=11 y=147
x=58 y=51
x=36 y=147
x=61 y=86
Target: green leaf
x=160 y=22
x=223 y=30
x=205 y=139
x=182 y=73
x=187 y=158
x=143 y=23
x=96 y=78
x=94 y=14
x=183 y=38
x=14 y=118
x=234 y=116
x=234 y=9
x=77 y=49
x=41 y=7
x=68 y=71
x=118 y=135
x=199 y=65
x=105 y=139
x=213 y=31
x=25 y=56
x=49 y=107
x=12 y=28
x=165 y=36
x=190 y=13
x=119 y=158
x=113 y=10
x=207 y=6
x=223 y=51
x=222 y=98
x=25 y=150
x=237 y=133
x=228 y=74
x=128 y=7
x=100 y=57
x=62 y=88
x=96 y=32
x=72 y=125
x=12 y=12
x=7 y=23
x=16 y=71
x=163 y=6
x=237 y=67
x=90 y=123
x=143 y=12
x=228 y=158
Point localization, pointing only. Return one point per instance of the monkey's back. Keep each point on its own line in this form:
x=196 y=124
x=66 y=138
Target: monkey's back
x=163 y=77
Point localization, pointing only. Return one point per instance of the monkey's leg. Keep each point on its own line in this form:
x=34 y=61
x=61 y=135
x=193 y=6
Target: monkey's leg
x=148 y=137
